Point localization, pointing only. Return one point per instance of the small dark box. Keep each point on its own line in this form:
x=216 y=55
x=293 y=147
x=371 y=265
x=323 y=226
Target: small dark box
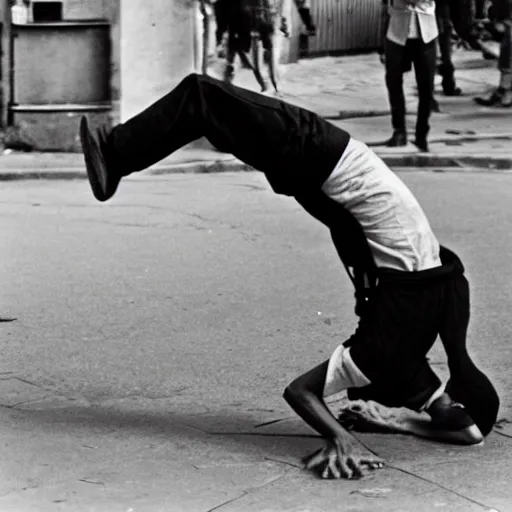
x=47 y=11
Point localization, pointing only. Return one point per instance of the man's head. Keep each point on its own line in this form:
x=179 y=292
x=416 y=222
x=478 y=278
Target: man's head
x=475 y=392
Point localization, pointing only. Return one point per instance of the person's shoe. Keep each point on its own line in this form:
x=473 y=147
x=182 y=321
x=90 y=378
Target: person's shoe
x=398 y=139
x=422 y=144
x=103 y=181
x=494 y=99
x=434 y=106
x=448 y=83
x=506 y=100
x=451 y=418
x=452 y=90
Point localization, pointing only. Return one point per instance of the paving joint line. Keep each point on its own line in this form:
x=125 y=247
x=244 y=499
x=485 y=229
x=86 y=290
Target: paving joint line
x=223 y=504
x=246 y=492
x=447 y=489
x=508 y=436
x=410 y=473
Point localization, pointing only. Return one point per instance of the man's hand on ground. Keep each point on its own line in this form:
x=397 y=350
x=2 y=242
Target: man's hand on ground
x=336 y=460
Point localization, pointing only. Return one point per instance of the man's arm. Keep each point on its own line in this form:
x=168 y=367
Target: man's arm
x=305 y=15
x=305 y=397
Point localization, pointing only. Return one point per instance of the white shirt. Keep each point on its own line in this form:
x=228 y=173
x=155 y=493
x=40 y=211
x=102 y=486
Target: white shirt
x=398 y=233
x=396 y=227
x=407 y=21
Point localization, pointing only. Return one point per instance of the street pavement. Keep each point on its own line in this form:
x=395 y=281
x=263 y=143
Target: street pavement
x=350 y=92
x=153 y=336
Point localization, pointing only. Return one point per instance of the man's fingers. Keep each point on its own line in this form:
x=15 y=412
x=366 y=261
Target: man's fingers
x=307 y=458
x=345 y=471
x=335 y=461
x=316 y=459
x=331 y=469
x=372 y=462
x=352 y=463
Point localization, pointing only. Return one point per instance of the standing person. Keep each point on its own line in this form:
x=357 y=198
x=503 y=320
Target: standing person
x=304 y=10
x=408 y=289
x=480 y=10
x=502 y=95
x=411 y=36
x=455 y=15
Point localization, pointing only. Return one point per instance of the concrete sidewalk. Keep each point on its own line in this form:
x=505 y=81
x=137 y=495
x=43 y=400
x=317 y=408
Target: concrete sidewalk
x=110 y=430
x=350 y=92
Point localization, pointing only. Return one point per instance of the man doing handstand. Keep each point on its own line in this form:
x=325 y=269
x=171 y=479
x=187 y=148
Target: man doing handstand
x=409 y=290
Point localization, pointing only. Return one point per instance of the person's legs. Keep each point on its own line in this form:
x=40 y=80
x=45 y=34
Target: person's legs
x=424 y=59
x=304 y=9
x=395 y=56
x=480 y=9
x=462 y=16
x=468 y=384
x=403 y=318
x=398 y=328
x=502 y=95
x=220 y=10
x=295 y=148
x=505 y=64
x=446 y=68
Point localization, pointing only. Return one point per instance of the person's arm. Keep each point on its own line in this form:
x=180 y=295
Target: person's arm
x=304 y=10
x=305 y=397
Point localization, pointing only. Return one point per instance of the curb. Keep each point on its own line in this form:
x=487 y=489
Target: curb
x=418 y=161
x=422 y=160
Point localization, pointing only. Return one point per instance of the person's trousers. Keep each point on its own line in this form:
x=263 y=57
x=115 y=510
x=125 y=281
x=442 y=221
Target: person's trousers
x=423 y=57
x=294 y=147
x=505 y=56
x=458 y=14
x=443 y=15
x=401 y=322
x=480 y=9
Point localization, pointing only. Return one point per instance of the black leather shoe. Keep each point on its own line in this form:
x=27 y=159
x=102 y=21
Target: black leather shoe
x=397 y=139
x=506 y=100
x=494 y=99
x=422 y=144
x=452 y=91
x=104 y=181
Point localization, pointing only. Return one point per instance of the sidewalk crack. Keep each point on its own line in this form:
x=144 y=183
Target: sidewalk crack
x=246 y=492
x=217 y=507
x=259 y=425
x=503 y=434
x=440 y=486
x=424 y=479
x=277 y=461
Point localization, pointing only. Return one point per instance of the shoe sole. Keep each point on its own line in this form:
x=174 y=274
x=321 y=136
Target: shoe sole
x=96 y=169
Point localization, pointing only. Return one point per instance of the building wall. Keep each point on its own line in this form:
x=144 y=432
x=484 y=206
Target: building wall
x=158 y=49
x=152 y=46
x=100 y=9
x=345 y=26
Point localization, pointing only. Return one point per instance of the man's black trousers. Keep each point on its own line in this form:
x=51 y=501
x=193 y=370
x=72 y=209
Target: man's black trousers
x=403 y=318
x=398 y=58
x=295 y=148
